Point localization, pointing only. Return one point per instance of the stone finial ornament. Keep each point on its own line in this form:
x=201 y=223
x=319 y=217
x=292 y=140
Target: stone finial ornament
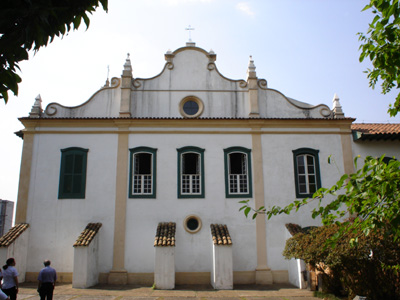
x=127 y=67
x=169 y=56
x=251 y=69
x=36 y=110
x=337 y=108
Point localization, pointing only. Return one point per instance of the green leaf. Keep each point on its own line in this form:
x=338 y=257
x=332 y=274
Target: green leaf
x=246 y=211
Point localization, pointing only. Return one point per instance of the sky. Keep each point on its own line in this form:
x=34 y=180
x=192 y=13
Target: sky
x=306 y=49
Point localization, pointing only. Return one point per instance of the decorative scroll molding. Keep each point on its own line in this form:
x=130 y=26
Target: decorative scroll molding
x=136 y=83
x=242 y=84
x=115 y=82
x=51 y=109
x=262 y=84
x=211 y=66
x=170 y=65
x=325 y=112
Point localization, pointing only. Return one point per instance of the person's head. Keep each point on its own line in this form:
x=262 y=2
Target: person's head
x=9 y=262
x=47 y=263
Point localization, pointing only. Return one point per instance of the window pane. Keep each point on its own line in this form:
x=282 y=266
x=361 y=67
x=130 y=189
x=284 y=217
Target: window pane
x=186 y=184
x=312 y=188
x=302 y=188
x=67 y=184
x=190 y=107
x=243 y=183
x=302 y=179
x=147 y=184
x=143 y=163
x=78 y=164
x=300 y=165
x=195 y=184
x=69 y=162
x=77 y=183
x=190 y=163
x=301 y=170
x=311 y=179
x=310 y=160
x=137 y=184
x=237 y=163
x=310 y=169
x=233 y=188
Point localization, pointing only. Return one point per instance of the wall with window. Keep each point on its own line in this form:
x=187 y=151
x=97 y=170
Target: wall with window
x=279 y=181
x=56 y=223
x=193 y=252
x=190 y=73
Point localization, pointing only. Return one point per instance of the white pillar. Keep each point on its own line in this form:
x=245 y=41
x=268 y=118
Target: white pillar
x=164 y=270
x=222 y=270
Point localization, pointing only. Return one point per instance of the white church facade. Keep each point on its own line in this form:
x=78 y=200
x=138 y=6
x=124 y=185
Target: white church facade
x=180 y=149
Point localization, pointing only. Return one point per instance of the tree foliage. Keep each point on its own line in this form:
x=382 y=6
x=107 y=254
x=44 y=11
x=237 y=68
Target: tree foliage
x=31 y=24
x=381 y=45
x=370 y=268
x=371 y=195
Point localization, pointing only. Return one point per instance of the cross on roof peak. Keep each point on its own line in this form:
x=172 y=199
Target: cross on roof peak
x=189 y=28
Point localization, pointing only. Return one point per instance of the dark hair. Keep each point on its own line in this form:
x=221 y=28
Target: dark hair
x=9 y=262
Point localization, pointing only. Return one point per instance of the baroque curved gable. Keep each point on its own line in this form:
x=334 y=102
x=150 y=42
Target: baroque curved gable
x=189 y=72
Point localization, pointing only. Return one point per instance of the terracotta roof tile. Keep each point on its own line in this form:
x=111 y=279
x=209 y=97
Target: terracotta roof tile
x=165 y=235
x=13 y=234
x=220 y=234
x=87 y=235
x=376 y=131
x=181 y=118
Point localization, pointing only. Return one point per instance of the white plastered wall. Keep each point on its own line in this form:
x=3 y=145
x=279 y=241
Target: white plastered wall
x=160 y=96
x=375 y=149
x=279 y=183
x=56 y=223
x=192 y=251
x=86 y=265
x=19 y=251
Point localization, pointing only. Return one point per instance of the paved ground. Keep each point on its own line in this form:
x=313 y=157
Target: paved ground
x=107 y=292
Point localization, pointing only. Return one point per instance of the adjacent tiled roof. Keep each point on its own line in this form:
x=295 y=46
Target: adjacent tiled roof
x=87 y=235
x=376 y=131
x=13 y=234
x=181 y=118
x=220 y=234
x=165 y=235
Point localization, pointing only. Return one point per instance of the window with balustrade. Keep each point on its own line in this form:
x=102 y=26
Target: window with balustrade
x=190 y=172
x=307 y=174
x=237 y=172
x=142 y=183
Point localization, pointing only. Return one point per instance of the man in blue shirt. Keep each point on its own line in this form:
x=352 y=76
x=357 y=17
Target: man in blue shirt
x=47 y=281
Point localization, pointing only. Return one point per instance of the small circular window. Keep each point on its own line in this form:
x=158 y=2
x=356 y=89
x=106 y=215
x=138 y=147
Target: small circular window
x=191 y=107
x=192 y=224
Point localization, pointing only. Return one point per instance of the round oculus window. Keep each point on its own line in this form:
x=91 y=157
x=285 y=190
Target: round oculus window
x=192 y=224
x=191 y=107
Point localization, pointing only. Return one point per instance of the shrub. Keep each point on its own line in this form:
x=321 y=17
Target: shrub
x=369 y=267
